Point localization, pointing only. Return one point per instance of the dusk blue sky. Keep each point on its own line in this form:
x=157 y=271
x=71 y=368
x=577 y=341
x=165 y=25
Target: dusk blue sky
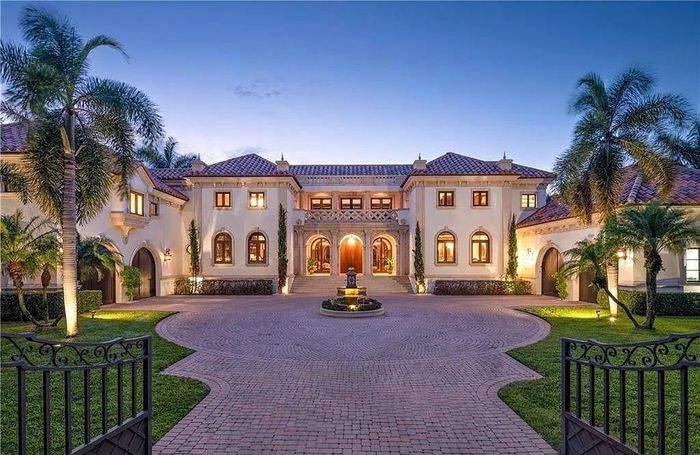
x=380 y=82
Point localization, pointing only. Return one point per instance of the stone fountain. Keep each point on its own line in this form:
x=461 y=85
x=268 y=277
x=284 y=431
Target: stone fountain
x=351 y=301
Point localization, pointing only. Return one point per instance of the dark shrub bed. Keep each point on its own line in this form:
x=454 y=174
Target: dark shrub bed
x=667 y=303
x=88 y=300
x=226 y=287
x=363 y=304
x=482 y=287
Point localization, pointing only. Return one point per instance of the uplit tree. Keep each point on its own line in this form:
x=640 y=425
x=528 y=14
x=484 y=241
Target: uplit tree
x=512 y=269
x=282 y=260
x=418 y=265
x=81 y=129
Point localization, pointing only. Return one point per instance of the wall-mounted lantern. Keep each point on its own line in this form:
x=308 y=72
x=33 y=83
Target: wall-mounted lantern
x=621 y=254
x=167 y=255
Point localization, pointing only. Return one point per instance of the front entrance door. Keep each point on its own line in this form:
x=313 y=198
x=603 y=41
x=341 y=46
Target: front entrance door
x=551 y=263
x=351 y=254
x=143 y=260
x=586 y=291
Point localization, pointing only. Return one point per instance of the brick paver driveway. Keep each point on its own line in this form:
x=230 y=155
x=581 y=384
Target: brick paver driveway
x=284 y=379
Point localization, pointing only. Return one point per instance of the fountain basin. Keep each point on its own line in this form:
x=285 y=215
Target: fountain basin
x=352 y=307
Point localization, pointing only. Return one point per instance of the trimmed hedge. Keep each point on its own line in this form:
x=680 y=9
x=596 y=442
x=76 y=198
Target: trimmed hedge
x=88 y=300
x=226 y=287
x=667 y=303
x=482 y=287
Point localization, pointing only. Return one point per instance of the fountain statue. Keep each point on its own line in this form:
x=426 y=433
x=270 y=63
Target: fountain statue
x=351 y=300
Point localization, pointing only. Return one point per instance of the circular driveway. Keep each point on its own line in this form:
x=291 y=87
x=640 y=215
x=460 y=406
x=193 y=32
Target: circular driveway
x=421 y=379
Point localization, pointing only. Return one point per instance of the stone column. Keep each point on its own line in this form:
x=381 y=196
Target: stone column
x=334 y=253
x=367 y=239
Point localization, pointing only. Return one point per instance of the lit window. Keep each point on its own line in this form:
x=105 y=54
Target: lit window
x=321 y=203
x=351 y=203
x=223 y=199
x=379 y=203
x=257 y=248
x=155 y=209
x=480 y=198
x=256 y=199
x=223 y=248
x=136 y=203
x=692 y=264
x=445 y=248
x=481 y=253
x=446 y=198
x=528 y=201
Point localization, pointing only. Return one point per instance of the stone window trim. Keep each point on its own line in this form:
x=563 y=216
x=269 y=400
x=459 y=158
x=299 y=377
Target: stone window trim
x=437 y=199
x=453 y=263
x=223 y=205
x=322 y=203
x=479 y=191
x=258 y=194
x=380 y=203
x=691 y=264
x=489 y=244
x=213 y=249
x=527 y=206
x=351 y=203
x=154 y=209
x=266 y=259
x=137 y=203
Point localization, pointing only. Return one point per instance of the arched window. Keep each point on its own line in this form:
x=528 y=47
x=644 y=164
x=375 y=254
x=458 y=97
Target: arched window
x=481 y=248
x=257 y=248
x=445 y=248
x=320 y=259
x=223 y=248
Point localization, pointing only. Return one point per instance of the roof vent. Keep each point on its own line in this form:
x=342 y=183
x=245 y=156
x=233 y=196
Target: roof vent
x=505 y=164
x=282 y=164
x=420 y=164
x=198 y=165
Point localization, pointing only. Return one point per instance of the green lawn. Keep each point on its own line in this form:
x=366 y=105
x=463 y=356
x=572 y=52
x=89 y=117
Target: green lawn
x=173 y=397
x=538 y=401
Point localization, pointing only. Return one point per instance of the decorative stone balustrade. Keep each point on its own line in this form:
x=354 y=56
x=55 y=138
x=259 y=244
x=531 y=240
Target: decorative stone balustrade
x=352 y=216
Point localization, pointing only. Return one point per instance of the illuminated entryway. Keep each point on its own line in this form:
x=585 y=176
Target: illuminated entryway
x=382 y=256
x=551 y=263
x=319 y=261
x=351 y=253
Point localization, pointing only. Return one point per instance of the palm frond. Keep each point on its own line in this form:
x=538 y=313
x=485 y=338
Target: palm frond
x=12 y=178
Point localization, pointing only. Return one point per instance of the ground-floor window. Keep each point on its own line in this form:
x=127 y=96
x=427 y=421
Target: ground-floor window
x=692 y=264
x=481 y=253
x=223 y=246
x=445 y=248
x=320 y=257
x=257 y=248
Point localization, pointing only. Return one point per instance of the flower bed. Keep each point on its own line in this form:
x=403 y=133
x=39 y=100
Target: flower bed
x=482 y=287
x=183 y=286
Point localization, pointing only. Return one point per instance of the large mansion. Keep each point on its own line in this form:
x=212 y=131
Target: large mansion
x=352 y=215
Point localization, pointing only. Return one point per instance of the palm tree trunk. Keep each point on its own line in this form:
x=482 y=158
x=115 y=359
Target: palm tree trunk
x=69 y=217
x=45 y=281
x=623 y=306
x=19 y=286
x=651 y=299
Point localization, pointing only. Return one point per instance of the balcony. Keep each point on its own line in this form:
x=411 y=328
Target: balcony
x=127 y=222
x=352 y=216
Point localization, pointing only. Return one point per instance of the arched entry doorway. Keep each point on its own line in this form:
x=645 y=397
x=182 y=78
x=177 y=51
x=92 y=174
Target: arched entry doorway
x=320 y=256
x=551 y=262
x=586 y=291
x=382 y=256
x=143 y=260
x=351 y=254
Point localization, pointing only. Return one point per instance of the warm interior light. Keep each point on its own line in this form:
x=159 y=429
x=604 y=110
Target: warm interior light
x=351 y=241
x=253 y=201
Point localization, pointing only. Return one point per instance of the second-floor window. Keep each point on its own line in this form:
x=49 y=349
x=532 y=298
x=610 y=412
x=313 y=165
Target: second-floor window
x=378 y=203
x=222 y=199
x=446 y=198
x=136 y=203
x=351 y=203
x=480 y=198
x=256 y=199
x=528 y=200
x=692 y=264
x=155 y=209
x=321 y=203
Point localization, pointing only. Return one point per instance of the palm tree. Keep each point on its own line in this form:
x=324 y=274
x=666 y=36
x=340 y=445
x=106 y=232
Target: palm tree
x=619 y=124
x=97 y=255
x=685 y=149
x=595 y=255
x=165 y=158
x=652 y=229
x=49 y=258
x=22 y=252
x=82 y=129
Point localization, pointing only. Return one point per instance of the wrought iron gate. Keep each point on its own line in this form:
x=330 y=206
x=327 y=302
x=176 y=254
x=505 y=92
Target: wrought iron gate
x=620 y=398
x=78 y=398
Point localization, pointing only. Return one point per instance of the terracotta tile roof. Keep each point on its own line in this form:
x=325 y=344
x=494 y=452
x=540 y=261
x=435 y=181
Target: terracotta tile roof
x=170 y=173
x=455 y=164
x=12 y=137
x=239 y=166
x=350 y=169
x=636 y=190
x=161 y=186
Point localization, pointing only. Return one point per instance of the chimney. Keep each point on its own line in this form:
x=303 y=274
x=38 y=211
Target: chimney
x=282 y=164
x=198 y=165
x=505 y=164
x=420 y=164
